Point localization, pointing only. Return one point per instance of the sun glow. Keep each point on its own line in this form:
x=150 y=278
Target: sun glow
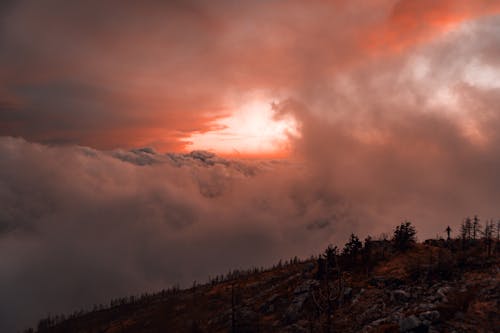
x=252 y=129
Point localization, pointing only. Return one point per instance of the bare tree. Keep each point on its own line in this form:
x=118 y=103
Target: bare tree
x=448 y=232
x=476 y=227
x=488 y=236
x=328 y=292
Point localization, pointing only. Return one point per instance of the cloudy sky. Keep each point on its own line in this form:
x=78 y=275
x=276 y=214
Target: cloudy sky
x=310 y=120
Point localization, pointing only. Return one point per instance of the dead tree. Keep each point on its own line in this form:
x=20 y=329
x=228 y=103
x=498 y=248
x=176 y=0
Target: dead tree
x=476 y=227
x=325 y=296
x=233 y=310
x=488 y=236
x=448 y=232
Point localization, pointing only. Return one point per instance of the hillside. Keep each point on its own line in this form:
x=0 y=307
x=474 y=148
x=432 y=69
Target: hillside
x=435 y=286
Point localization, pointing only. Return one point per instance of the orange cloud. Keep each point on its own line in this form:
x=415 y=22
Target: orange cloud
x=414 y=22
x=156 y=73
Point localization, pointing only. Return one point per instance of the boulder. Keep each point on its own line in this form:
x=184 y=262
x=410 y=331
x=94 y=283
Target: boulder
x=431 y=316
x=305 y=287
x=409 y=324
x=400 y=295
x=347 y=292
x=295 y=328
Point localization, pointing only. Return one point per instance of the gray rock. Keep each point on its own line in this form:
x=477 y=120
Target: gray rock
x=305 y=287
x=431 y=316
x=378 y=322
x=409 y=323
x=400 y=295
x=426 y=307
x=441 y=293
x=370 y=314
x=294 y=309
x=295 y=328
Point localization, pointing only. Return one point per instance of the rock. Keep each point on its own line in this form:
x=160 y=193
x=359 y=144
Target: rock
x=431 y=298
x=441 y=293
x=294 y=309
x=400 y=295
x=395 y=316
x=370 y=314
x=425 y=323
x=356 y=298
x=267 y=308
x=348 y=292
x=305 y=287
x=378 y=322
x=301 y=293
x=409 y=324
x=388 y=326
x=273 y=298
x=247 y=320
x=295 y=328
x=426 y=307
x=431 y=316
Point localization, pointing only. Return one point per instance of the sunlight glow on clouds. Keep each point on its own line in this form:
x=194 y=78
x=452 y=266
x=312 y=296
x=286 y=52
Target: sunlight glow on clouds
x=251 y=129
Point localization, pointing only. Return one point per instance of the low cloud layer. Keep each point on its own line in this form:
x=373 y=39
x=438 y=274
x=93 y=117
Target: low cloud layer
x=79 y=226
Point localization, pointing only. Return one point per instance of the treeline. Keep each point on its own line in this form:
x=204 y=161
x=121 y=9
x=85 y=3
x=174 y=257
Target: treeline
x=129 y=301
x=356 y=254
x=122 y=303
x=444 y=259
x=242 y=273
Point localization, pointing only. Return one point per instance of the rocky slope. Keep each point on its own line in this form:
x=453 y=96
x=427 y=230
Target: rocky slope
x=430 y=288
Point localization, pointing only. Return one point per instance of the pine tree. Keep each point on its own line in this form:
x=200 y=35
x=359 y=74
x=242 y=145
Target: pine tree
x=404 y=236
x=352 y=247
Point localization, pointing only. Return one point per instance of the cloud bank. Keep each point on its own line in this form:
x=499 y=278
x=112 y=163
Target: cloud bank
x=79 y=226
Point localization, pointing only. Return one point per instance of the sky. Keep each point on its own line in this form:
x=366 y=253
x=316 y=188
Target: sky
x=150 y=143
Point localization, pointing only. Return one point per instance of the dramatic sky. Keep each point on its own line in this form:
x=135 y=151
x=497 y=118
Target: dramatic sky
x=309 y=120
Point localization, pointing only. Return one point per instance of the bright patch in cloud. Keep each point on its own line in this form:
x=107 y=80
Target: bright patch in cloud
x=251 y=129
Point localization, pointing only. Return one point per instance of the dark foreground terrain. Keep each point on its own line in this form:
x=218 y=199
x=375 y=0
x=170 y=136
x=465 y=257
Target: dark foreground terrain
x=375 y=286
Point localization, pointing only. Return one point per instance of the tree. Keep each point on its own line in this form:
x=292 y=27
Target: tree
x=234 y=301
x=467 y=228
x=476 y=227
x=448 y=232
x=328 y=292
x=404 y=236
x=352 y=247
x=488 y=236
x=367 y=254
x=498 y=231
x=497 y=245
